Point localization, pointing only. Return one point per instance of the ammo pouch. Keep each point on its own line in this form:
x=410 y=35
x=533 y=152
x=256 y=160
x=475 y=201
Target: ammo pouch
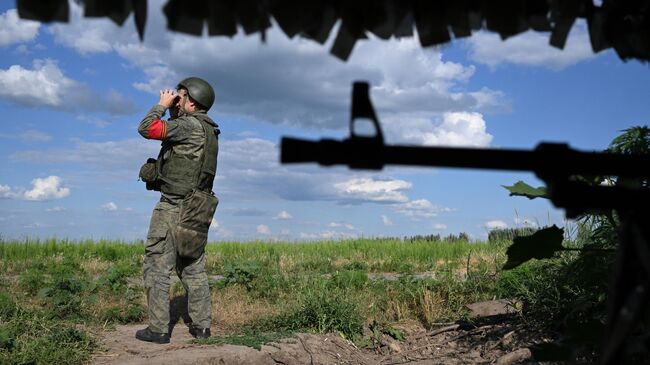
x=149 y=174
x=190 y=235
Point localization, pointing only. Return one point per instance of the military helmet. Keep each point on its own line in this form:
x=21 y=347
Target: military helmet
x=199 y=90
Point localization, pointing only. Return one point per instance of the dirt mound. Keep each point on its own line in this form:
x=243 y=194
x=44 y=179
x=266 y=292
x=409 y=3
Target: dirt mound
x=501 y=343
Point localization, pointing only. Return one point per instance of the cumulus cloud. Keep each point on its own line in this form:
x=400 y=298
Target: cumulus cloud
x=109 y=207
x=45 y=85
x=283 y=215
x=263 y=229
x=495 y=224
x=386 y=221
x=251 y=80
x=454 y=129
x=55 y=209
x=375 y=190
x=530 y=49
x=47 y=189
x=16 y=30
x=420 y=208
x=439 y=226
x=91 y=35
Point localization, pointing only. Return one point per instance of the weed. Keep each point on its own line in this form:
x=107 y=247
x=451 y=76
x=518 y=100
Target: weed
x=7 y=306
x=349 y=280
x=29 y=338
x=116 y=276
x=321 y=311
x=250 y=338
x=66 y=295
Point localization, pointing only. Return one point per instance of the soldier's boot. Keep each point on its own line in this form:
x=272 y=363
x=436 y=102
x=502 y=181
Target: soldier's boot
x=151 y=336
x=198 y=332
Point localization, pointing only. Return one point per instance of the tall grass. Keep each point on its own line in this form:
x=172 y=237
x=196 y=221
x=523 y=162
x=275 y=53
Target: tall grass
x=375 y=255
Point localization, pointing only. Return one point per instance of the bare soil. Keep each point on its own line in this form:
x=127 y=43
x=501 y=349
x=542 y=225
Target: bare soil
x=493 y=342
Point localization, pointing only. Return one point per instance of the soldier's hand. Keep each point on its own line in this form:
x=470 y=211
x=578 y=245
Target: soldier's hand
x=167 y=98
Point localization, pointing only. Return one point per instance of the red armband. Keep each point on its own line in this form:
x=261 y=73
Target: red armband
x=157 y=129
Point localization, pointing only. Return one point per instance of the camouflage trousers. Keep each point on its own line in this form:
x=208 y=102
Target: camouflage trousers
x=159 y=261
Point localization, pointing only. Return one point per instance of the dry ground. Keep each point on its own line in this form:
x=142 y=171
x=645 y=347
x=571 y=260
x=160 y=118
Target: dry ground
x=501 y=342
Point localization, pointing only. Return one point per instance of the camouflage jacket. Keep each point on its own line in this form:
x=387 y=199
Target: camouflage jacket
x=183 y=142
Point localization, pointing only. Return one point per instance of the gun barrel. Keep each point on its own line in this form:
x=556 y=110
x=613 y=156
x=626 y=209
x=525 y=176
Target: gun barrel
x=547 y=158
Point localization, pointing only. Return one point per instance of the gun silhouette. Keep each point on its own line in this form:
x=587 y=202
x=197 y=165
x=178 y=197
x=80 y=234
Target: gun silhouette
x=556 y=164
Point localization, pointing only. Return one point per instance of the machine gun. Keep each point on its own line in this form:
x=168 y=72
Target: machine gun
x=556 y=164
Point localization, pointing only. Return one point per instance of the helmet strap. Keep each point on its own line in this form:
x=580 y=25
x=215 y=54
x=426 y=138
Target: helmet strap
x=182 y=110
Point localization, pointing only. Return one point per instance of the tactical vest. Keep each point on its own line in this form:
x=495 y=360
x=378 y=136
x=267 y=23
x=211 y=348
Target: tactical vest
x=179 y=175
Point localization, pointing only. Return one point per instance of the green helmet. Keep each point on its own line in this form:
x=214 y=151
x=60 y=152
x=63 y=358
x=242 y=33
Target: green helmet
x=199 y=90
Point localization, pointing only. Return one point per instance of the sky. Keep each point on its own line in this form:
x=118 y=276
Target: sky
x=73 y=94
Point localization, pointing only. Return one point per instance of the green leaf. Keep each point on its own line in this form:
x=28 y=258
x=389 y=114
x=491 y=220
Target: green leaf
x=541 y=245
x=520 y=188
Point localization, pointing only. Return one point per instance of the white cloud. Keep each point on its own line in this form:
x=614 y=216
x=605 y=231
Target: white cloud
x=91 y=35
x=109 y=207
x=6 y=192
x=386 y=221
x=47 y=189
x=530 y=49
x=283 y=215
x=495 y=224
x=327 y=235
x=16 y=30
x=55 y=209
x=408 y=79
x=455 y=129
x=439 y=226
x=369 y=189
x=219 y=231
x=263 y=229
x=45 y=85
x=341 y=225
x=420 y=208
x=252 y=79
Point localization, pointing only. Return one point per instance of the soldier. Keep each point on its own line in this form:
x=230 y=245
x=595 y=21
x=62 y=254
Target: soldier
x=187 y=162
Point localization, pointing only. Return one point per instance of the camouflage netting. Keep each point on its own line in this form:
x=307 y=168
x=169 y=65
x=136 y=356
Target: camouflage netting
x=622 y=25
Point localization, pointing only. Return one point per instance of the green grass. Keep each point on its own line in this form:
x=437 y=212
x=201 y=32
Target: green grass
x=64 y=286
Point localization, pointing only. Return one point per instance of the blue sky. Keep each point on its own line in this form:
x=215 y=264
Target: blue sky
x=74 y=93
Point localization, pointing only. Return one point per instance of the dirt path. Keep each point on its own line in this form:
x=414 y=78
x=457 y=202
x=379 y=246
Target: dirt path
x=505 y=342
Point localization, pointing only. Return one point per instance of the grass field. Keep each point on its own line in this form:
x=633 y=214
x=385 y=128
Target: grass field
x=54 y=293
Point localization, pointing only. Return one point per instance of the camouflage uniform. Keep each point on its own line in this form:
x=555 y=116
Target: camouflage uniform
x=186 y=136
